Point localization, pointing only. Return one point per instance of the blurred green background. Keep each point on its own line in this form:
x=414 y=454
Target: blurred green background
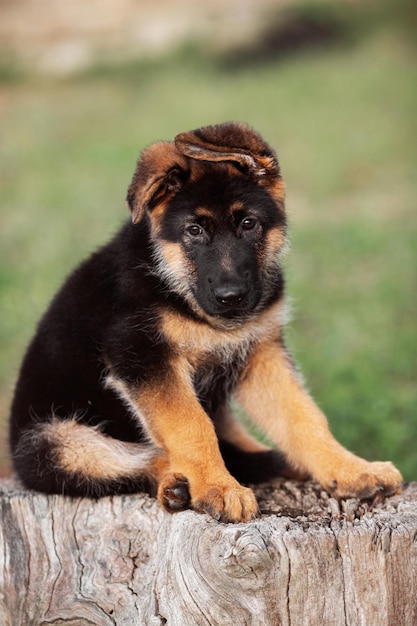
x=333 y=89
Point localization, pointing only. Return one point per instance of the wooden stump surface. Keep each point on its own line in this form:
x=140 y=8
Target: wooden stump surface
x=308 y=560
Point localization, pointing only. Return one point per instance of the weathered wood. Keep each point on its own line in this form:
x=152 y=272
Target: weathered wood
x=306 y=561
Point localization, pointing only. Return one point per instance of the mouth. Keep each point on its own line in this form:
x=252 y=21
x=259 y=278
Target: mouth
x=231 y=306
x=221 y=316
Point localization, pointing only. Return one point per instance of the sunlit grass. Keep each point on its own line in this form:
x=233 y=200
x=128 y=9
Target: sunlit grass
x=341 y=121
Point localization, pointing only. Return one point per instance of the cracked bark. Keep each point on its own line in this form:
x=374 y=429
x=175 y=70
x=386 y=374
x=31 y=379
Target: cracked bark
x=308 y=560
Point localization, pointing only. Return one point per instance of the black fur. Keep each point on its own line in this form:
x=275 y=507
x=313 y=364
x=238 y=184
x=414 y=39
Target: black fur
x=105 y=319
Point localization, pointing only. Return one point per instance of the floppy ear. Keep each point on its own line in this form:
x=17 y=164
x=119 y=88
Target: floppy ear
x=159 y=174
x=230 y=141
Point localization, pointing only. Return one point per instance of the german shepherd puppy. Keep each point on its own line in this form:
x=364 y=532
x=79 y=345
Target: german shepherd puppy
x=127 y=384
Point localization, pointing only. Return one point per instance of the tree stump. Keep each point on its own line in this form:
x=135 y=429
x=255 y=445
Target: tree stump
x=308 y=560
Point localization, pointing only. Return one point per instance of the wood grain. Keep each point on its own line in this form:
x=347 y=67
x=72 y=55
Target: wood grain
x=308 y=560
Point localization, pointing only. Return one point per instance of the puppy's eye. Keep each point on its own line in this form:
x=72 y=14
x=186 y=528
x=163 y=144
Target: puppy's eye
x=248 y=223
x=194 y=230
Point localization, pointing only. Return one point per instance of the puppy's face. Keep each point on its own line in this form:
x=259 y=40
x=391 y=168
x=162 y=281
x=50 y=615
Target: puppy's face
x=217 y=241
x=214 y=200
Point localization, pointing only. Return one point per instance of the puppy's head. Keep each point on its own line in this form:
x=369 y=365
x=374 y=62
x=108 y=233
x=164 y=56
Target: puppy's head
x=214 y=199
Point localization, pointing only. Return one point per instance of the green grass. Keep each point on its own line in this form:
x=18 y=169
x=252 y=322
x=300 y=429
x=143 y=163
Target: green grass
x=341 y=120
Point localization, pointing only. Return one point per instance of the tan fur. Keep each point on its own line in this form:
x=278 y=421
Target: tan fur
x=156 y=216
x=203 y=212
x=85 y=451
x=275 y=239
x=294 y=422
x=230 y=142
x=149 y=182
x=174 y=261
x=185 y=432
x=174 y=267
x=181 y=452
x=277 y=190
x=235 y=206
x=229 y=429
x=271 y=390
x=196 y=340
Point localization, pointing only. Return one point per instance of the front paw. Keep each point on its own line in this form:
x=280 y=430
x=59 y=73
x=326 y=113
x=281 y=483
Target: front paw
x=226 y=503
x=363 y=480
x=173 y=493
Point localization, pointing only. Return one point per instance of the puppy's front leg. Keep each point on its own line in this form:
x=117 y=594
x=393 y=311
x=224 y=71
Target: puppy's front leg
x=175 y=421
x=274 y=396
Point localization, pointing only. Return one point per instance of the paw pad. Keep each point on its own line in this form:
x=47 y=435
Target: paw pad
x=176 y=495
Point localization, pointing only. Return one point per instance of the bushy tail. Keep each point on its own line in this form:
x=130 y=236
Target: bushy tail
x=67 y=457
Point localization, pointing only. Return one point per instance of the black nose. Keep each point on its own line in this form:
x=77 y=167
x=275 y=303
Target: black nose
x=229 y=295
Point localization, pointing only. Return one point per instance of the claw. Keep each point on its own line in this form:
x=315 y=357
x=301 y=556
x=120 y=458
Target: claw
x=175 y=505
x=378 y=497
x=180 y=492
